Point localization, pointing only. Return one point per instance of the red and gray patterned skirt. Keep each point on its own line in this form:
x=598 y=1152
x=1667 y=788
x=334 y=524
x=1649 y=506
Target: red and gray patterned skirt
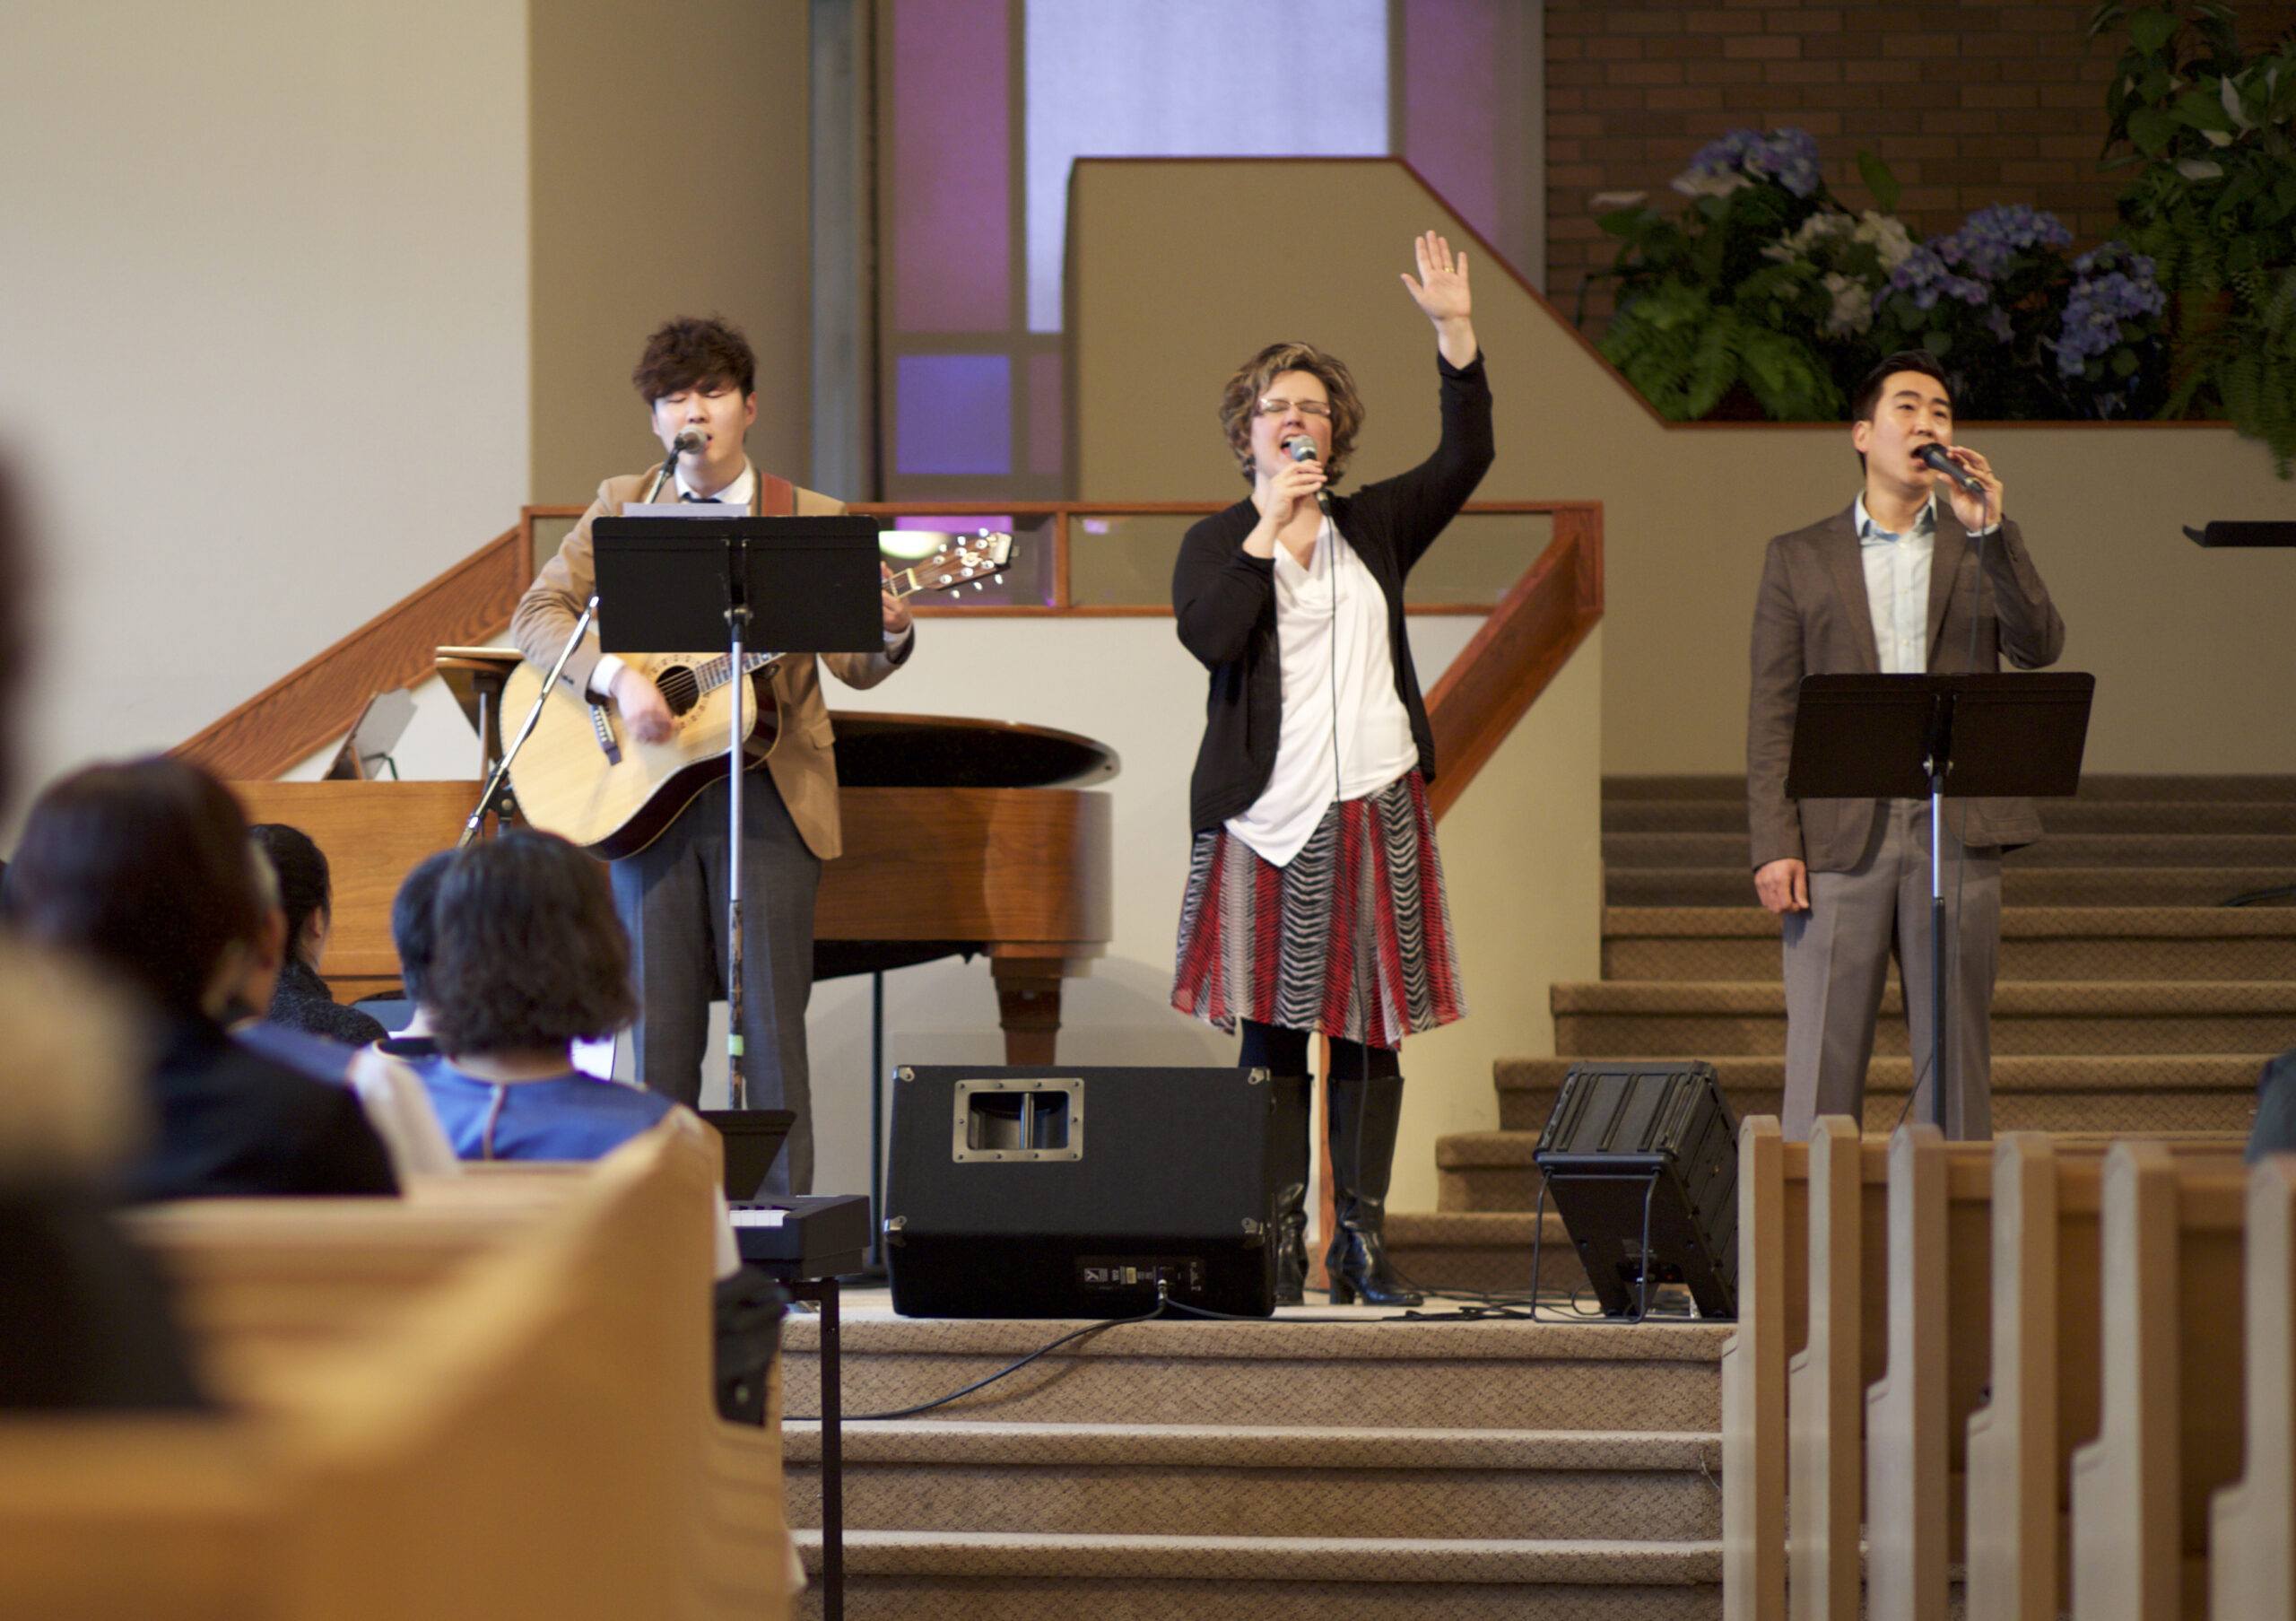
x=1352 y=939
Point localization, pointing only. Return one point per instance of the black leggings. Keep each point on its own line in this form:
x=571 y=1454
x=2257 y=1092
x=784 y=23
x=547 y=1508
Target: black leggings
x=1282 y=1051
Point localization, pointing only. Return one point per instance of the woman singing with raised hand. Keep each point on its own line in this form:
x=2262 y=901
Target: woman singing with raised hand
x=1315 y=899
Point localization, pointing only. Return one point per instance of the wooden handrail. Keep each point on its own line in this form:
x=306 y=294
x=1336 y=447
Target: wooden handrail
x=1529 y=638
x=1526 y=639
x=321 y=698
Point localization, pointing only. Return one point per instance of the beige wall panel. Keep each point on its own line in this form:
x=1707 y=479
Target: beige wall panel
x=1523 y=864
x=669 y=178
x=1182 y=270
x=263 y=281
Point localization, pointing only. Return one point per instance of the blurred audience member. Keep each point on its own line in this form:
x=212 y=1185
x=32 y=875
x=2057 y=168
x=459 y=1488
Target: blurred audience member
x=301 y=1000
x=144 y=868
x=397 y=1104
x=2274 y=1132
x=414 y=938
x=84 y=1317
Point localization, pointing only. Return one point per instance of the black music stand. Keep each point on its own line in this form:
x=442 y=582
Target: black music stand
x=1914 y=737
x=675 y=584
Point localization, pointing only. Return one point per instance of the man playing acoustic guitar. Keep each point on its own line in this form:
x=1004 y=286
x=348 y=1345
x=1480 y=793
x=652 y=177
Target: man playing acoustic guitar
x=698 y=376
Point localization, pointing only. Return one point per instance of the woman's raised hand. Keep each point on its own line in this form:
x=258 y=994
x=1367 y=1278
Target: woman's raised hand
x=1440 y=292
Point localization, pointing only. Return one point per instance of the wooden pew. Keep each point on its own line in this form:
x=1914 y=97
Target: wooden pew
x=507 y=1413
x=1942 y=1350
x=1848 y=1319
x=2169 y=1421
x=1940 y=1249
x=1773 y=1323
x=2043 y=1367
x=2252 y=1525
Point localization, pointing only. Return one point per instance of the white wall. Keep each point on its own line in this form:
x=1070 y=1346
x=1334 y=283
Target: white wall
x=262 y=334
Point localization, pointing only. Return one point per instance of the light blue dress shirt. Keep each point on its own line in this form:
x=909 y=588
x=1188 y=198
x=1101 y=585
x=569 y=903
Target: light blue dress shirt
x=1897 y=587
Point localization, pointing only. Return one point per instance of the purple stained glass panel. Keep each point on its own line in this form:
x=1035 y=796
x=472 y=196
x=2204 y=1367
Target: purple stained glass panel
x=1451 y=63
x=953 y=415
x=951 y=210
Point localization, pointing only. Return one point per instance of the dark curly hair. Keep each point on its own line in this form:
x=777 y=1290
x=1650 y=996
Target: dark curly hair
x=306 y=886
x=145 y=867
x=691 y=352
x=1240 y=401
x=527 y=950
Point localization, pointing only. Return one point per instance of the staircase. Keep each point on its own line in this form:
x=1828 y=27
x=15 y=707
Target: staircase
x=2129 y=998
x=1270 y=1471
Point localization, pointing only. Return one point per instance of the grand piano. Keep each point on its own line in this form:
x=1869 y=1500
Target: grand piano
x=963 y=837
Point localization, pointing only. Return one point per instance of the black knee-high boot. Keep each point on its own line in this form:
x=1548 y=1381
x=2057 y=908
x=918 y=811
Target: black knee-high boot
x=1365 y=1115
x=1293 y=1119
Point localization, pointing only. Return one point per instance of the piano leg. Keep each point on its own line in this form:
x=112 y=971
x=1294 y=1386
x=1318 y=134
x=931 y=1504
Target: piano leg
x=1028 y=1001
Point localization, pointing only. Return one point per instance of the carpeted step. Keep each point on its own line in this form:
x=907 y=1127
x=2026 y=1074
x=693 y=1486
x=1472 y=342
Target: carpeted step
x=1676 y=886
x=2095 y=786
x=1020 y=1576
x=1255 y=1481
x=1482 y=1249
x=1659 y=1018
x=1372 y=1373
x=2059 y=816
x=2037 y=943
x=1728 y=851
x=2136 y=1093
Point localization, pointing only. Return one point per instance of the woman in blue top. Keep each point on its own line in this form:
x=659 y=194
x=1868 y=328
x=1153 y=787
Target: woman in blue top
x=529 y=958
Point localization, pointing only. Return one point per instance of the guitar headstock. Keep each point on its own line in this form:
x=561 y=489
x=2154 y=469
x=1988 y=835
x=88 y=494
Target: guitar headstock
x=959 y=561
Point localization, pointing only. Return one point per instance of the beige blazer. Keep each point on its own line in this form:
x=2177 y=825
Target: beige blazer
x=1812 y=618
x=803 y=762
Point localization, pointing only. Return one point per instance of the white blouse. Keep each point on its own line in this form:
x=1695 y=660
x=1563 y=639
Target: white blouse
x=1344 y=733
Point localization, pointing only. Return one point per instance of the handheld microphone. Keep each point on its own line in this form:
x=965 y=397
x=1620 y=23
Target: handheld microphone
x=1301 y=448
x=1934 y=456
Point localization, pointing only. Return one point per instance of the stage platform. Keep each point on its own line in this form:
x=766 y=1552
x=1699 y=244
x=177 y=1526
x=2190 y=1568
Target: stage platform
x=1323 y=1462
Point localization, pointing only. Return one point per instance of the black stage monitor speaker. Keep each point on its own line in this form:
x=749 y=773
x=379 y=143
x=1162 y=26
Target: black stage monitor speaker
x=1048 y=1191
x=1642 y=1161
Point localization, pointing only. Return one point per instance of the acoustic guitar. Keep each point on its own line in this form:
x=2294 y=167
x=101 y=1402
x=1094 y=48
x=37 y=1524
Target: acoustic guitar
x=583 y=776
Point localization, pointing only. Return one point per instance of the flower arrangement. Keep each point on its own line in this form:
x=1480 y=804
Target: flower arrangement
x=1766 y=286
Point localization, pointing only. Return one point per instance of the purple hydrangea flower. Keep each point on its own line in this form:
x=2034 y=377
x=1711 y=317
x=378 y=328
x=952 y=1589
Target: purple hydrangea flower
x=2111 y=285
x=1923 y=274
x=1990 y=240
x=1787 y=156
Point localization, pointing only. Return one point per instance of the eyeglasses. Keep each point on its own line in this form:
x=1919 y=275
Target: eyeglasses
x=1275 y=406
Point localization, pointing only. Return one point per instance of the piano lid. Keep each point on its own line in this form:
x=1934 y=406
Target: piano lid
x=956 y=751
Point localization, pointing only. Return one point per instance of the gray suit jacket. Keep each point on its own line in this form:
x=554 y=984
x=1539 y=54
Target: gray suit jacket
x=1812 y=618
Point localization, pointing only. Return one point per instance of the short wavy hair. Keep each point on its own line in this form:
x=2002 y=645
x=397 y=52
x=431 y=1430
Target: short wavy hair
x=526 y=951
x=691 y=352
x=1240 y=402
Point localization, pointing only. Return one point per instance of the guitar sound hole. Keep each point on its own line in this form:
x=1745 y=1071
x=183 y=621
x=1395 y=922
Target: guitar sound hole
x=680 y=690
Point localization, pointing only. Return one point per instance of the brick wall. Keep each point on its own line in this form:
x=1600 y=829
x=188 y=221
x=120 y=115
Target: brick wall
x=1970 y=105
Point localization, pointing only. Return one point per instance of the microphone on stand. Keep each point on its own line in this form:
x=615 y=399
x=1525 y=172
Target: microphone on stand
x=1934 y=456
x=1301 y=448
x=691 y=439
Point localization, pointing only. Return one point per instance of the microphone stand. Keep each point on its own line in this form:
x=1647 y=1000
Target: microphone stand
x=496 y=798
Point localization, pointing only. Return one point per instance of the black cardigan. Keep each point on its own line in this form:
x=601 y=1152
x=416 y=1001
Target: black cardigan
x=1225 y=600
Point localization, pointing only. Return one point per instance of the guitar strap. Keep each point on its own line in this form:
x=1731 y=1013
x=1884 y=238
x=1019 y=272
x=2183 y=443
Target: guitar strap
x=775 y=497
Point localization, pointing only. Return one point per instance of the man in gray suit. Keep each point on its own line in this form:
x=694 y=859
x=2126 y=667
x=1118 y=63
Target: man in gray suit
x=1902 y=583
